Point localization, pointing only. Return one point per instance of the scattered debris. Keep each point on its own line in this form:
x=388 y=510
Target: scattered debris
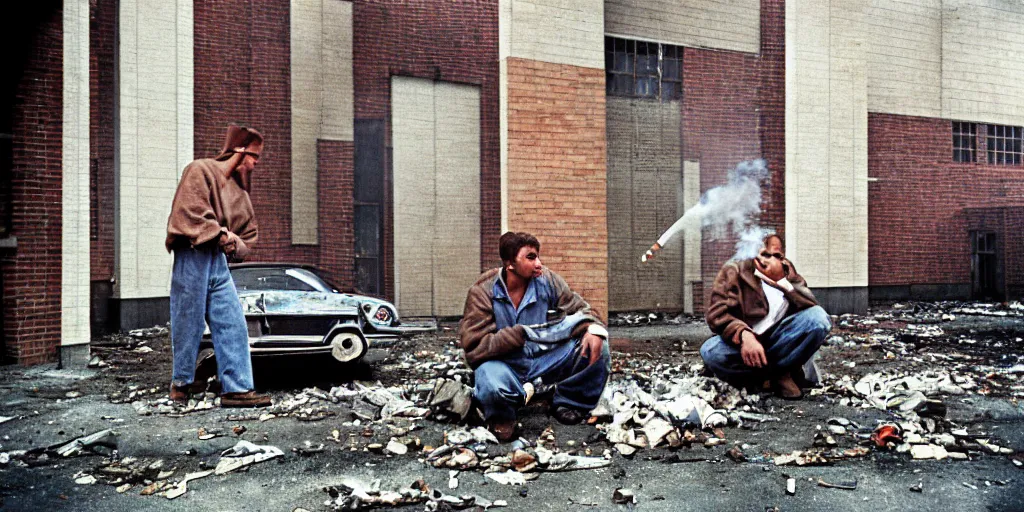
x=623 y=496
x=791 y=486
x=849 y=486
x=245 y=454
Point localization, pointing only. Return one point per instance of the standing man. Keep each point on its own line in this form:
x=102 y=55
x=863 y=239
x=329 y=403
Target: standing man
x=211 y=220
x=767 y=321
x=506 y=345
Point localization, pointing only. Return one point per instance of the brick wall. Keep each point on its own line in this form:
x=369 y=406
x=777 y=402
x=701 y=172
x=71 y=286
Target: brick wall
x=242 y=74
x=720 y=129
x=32 y=273
x=449 y=41
x=734 y=110
x=557 y=171
x=771 y=104
x=102 y=82
x=337 y=237
x=917 y=229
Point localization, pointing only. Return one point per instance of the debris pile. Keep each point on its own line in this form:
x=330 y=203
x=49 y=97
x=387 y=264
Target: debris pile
x=353 y=495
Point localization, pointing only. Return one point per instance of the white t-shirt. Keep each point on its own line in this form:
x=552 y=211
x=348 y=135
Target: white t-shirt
x=777 y=306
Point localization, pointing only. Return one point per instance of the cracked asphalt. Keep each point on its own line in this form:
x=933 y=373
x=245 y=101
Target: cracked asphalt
x=696 y=478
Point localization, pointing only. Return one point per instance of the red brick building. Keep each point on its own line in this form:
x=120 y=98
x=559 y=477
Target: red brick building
x=403 y=137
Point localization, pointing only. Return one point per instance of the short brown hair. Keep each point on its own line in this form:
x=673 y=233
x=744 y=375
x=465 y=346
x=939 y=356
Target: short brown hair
x=510 y=243
x=764 y=243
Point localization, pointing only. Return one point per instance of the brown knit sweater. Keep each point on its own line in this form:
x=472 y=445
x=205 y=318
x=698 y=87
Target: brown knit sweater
x=207 y=204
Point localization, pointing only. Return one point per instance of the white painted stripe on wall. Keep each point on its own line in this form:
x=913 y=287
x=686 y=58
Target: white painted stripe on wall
x=557 y=31
x=74 y=322
x=826 y=141
x=322 y=99
x=154 y=138
x=719 y=24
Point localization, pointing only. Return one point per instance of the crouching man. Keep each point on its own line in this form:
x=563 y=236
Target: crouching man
x=768 y=323
x=523 y=322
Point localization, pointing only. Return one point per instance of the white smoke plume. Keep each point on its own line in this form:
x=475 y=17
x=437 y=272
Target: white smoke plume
x=731 y=208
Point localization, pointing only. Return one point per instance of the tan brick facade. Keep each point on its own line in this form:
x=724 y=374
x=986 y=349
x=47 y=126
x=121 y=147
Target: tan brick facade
x=557 y=169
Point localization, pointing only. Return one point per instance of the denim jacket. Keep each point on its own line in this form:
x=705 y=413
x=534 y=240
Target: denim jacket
x=492 y=328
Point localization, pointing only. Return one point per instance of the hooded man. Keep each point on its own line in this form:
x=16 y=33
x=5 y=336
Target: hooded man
x=211 y=220
x=768 y=323
x=509 y=342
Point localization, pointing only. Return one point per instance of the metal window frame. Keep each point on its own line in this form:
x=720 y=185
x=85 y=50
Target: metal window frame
x=965 y=132
x=616 y=46
x=1004 y=144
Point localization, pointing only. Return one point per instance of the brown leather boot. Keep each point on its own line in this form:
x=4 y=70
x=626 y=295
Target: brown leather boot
x=179 y=394
x=245 y=399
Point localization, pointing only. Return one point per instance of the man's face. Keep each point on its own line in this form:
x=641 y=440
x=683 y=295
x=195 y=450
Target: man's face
x=250 y=156
x=769 y=260
x=527 y=264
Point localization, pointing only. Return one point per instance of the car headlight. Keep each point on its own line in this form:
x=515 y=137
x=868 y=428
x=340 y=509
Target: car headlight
x=383 y=315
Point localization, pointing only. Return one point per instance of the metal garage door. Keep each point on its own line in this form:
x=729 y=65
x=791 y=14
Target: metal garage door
x=435 y=131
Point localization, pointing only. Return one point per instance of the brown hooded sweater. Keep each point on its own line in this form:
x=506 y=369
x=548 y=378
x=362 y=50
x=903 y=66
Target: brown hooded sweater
x=207 y=204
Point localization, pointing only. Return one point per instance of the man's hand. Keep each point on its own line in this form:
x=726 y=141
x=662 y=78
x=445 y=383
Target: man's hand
x=232 y=245
x=752 y=351
x=782 y=284
x=591 y=347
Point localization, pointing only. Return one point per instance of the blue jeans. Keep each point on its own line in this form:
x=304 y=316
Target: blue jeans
x=202 y=289
x=793 y=342
x=499 y=382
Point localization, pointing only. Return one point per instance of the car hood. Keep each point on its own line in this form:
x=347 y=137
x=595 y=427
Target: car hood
x=296 y=303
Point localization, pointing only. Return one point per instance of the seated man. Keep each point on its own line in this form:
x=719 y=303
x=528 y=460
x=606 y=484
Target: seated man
x=507 y=347
x=767 y=321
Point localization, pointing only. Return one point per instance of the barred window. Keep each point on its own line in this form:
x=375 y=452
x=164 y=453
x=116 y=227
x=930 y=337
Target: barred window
x=1005 y=144
x=965 y=142
x=640 y=69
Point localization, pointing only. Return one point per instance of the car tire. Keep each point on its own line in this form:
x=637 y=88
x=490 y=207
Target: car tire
x=347 y=346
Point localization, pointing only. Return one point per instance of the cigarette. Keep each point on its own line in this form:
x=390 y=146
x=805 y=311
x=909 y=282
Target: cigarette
x=650 y=252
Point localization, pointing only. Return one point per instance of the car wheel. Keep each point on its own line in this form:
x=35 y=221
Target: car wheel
x=347 y=346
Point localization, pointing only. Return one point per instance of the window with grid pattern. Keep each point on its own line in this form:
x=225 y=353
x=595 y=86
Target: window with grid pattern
x=965 y=142
x=640 y=69
x=1005 y=144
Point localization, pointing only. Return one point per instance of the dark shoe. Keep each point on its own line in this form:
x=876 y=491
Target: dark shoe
x=179 y=394
x=206 y=368
x=569 y=415
x=503 y=430
x=245 y=399
x=786 y=389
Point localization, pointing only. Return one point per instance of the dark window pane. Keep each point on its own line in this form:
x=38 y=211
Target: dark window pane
x=670 y=70
x=624 y=84
x=669 y=91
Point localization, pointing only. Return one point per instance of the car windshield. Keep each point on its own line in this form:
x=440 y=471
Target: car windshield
x=280 y=279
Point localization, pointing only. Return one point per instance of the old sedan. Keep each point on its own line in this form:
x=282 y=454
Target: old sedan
x=293 y=309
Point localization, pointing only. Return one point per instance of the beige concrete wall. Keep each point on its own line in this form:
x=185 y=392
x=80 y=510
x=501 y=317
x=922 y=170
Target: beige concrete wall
x=692 y=240
x=982 y=63
x=435 y=131
x=556 y=31
x=954 y=59
x=645 y=196
x=322 y=99
x=74 y=289
x=904 y=56
x=826 y=141
x=720 y=24
x=155 y=137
